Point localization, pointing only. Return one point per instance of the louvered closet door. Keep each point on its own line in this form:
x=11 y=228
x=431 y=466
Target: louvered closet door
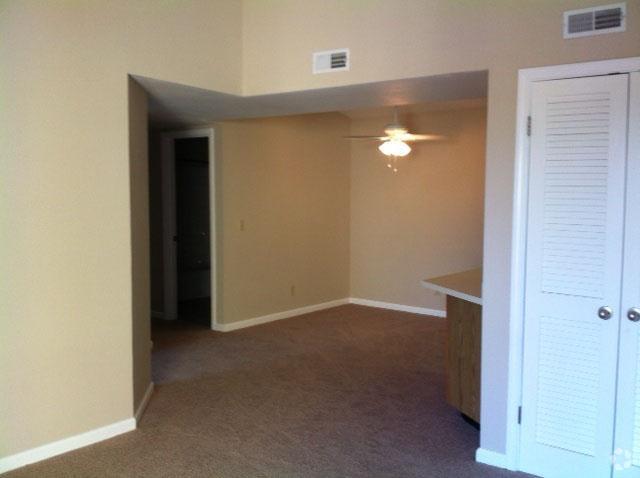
x=574 y=266
x=627 y=443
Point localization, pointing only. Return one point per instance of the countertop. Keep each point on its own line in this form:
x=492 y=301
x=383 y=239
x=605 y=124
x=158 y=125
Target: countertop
x=465 y=285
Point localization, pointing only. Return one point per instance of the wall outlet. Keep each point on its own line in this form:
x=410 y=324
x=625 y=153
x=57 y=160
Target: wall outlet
x=293 y=290
x=242 y=224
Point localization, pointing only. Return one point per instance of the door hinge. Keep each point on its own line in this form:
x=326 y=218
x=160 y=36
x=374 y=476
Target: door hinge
x=528 y=125
x=519 y=415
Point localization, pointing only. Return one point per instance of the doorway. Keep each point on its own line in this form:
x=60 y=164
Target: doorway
x=188 y=192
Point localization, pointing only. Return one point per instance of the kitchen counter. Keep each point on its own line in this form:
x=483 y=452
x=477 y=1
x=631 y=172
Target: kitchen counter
x=465 y=285
x=464 y=331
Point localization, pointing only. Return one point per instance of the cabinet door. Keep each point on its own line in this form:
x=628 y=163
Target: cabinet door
x=626 y=457
x=573 y=268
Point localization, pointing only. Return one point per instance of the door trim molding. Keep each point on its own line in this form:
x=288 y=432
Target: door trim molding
x=526 y=78
x=169 y=253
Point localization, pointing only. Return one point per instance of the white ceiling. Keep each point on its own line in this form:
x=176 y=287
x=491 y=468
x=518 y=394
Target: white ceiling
x=173 y=105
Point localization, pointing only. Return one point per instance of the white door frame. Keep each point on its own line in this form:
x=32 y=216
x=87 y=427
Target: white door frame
x=169 y=252
x=526 y=78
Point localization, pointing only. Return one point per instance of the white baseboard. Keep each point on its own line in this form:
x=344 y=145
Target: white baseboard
x=241 y=324
x=400 y=307
x=144 y=402
x=65 y=445
x=492 y=458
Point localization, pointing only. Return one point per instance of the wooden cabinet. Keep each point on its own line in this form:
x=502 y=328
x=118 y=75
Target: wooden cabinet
x=464 y=328
x=464 y=331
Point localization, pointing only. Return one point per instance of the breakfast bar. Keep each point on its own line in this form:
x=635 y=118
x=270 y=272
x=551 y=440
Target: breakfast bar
x=464 y=326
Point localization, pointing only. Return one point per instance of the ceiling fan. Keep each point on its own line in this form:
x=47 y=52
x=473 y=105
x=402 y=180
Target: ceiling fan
x=395 y=139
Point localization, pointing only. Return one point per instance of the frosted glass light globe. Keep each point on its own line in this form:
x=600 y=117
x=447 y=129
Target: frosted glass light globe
x=394 y=147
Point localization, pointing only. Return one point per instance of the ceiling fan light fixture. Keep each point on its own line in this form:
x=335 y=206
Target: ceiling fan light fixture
x=394 y=147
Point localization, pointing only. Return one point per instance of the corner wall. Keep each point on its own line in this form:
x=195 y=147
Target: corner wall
x=66 y=292
x=140 y=267
x=298 y=205
x=426 y=219
x=283 y=214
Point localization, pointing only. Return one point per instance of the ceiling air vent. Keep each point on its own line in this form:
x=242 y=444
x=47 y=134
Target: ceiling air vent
x=331 y=60
x=595 y=20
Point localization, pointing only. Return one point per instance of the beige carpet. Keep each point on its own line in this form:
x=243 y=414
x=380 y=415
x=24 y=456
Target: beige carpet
x=347 y=392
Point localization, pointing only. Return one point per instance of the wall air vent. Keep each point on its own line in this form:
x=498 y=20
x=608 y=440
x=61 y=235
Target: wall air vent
x=595 y=20
x=331 y=60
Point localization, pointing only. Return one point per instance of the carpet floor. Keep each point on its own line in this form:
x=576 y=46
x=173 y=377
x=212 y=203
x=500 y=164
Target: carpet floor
x=347 y=392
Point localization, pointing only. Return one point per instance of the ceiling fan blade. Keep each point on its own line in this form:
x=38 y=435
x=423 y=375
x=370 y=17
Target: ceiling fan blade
x=378 y=138
x=422 y=137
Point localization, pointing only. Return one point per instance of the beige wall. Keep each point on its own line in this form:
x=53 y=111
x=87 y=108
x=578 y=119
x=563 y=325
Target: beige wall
x=287 y=180
x=140 y=263
x=419 y=38
x=65 y=221
x=66 y=304
x=426 y=219
x=411 y=38
x=326 y=215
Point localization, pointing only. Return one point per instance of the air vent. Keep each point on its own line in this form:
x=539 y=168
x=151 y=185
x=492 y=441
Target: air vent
x=595 y=21
x=332 y=60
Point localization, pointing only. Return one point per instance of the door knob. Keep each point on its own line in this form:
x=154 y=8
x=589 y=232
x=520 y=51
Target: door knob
x=633 y=314
x=605 y=312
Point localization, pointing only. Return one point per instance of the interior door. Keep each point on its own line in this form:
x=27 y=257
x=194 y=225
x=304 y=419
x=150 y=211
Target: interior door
x=573 y=275
x=626 y=455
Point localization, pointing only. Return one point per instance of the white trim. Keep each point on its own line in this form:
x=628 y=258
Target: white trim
x=492 y=458
x=452 y=292
x=241 y=324
x=403 y=308
x=169 y=220
x=144 y=402
x=65 y=445
x=526 y=78
x=577 y=70
x=170 y=311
